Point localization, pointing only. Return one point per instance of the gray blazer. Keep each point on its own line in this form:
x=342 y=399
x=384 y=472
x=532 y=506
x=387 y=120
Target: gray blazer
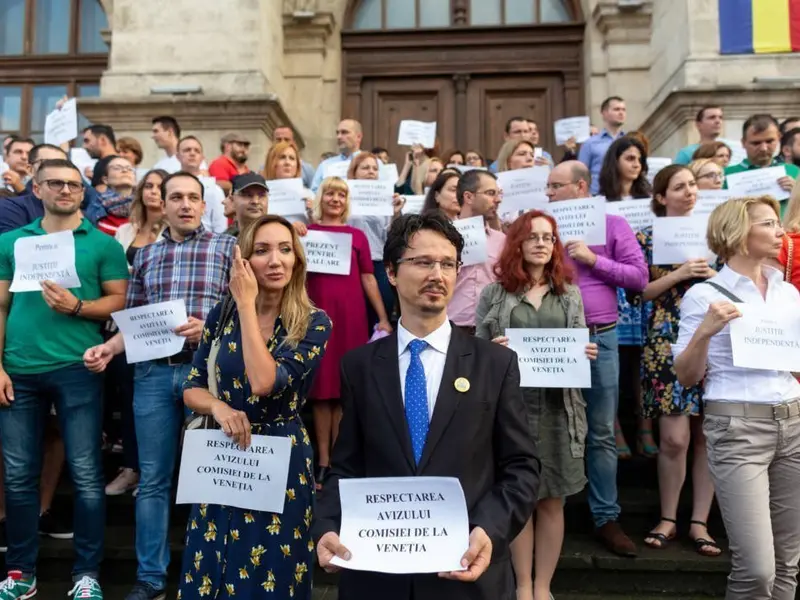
x=494 y=317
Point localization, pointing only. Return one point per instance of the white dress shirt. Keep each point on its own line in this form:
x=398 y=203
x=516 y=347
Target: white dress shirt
x=214 y=218
x=432 y=357
x=725 y=382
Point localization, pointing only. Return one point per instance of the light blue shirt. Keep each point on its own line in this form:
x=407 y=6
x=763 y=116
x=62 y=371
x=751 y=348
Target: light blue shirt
x=320 y=174
x=494 y=166
x=307 y=173
x=684 y=156
x=593 y=152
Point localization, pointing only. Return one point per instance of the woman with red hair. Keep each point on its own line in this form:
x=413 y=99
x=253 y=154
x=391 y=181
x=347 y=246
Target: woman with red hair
x=534 y=290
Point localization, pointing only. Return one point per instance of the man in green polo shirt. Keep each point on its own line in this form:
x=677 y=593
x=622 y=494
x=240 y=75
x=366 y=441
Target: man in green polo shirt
x=760 y=138
x=43 y=335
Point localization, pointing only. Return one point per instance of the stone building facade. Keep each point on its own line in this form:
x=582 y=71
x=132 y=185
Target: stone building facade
x=251 y=65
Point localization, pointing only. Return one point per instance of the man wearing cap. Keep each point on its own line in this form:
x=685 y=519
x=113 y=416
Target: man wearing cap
x=250 y=200
x=235 y=149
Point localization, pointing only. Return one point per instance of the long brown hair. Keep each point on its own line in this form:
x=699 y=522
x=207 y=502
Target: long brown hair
x=296 y=306
x=271 y=164
x=138 y=214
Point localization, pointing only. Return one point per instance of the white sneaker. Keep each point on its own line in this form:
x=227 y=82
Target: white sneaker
x=126 y=481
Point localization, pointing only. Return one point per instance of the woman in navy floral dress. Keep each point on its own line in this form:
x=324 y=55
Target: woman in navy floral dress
x=269 y=348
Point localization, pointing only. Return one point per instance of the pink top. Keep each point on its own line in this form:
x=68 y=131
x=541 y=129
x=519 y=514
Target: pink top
x=471 y=281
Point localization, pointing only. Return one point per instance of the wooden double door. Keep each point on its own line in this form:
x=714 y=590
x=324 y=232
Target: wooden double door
x=470 y=82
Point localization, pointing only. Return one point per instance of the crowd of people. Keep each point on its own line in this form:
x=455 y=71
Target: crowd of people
x=376 y=351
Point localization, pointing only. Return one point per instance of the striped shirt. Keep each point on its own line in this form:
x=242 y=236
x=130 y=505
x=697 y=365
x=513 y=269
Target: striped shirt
x=196 y=270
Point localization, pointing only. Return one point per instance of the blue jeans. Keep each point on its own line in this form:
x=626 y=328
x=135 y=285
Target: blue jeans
x=602 y=401
x=158 y=414
x=78 y=397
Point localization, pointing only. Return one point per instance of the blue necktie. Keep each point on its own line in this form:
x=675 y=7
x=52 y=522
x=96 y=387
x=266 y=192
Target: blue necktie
x=417 y=399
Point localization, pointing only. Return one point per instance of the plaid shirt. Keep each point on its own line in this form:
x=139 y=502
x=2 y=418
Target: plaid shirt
x=196 y=270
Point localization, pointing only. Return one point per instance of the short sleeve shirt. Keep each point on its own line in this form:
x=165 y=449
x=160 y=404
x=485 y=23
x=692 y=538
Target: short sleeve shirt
x=38 y=339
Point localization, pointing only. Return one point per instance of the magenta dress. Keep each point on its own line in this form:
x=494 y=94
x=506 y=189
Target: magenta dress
x=342 y=298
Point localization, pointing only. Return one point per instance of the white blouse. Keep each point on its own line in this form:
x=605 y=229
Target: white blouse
x=724 y=382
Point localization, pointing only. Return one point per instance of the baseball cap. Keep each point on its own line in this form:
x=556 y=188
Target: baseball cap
x=235 y=136
x=246 y=180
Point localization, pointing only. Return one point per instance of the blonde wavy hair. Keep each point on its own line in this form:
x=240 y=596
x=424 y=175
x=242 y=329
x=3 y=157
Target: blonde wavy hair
x=335 y=184
x=271 y=163
x=791 y=220
x=421 y=174
x=729 y=225
x=507 y=151
x=296 y=306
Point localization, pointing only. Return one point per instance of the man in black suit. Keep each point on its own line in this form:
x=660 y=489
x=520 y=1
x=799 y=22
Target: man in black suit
x=462 y=396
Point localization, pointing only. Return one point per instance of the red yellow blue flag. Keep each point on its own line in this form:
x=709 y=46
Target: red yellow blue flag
x=759 y=26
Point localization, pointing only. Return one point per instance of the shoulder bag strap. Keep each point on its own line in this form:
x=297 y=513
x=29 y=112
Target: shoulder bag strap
x=723 y=291
x=787 y=273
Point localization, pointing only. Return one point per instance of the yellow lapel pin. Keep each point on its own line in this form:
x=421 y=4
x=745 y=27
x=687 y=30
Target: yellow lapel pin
x=462 y=384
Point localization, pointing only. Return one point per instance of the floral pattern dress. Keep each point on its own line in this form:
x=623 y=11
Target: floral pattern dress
x=231 y=552
x=663 y=393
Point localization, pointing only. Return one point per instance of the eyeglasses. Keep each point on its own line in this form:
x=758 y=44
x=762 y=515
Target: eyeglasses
x=714 y=175
x=121 y=168
x=557 y=186
x=56 y=185
x=768 y=223
x=544 y=238
x=427 y=264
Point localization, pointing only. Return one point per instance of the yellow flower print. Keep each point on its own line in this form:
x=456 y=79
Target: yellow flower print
x=217 y=371
x=303 y=479
x=193 y=374
x=256 y=553
x=231 y=591
x=290 y=494
x=291 y=591
x=206 y=335
x=293 y=405
x=193 y=524
x=219 y=556
x=227 y=395
x=294 y=440
x=203 y=509
x=275 y=528
x=297 y=534
x=300 y=569
x=188 y=578
x=205 y=587
x=237 y=385
x=299 y=357
x=198 y=558
x=235 y=535
x=249 y=518
x=315 y=350
x=289 y=380
x=228 y=329
x=211 y=533
x=270 y=575
x=252 y=400
x=310 y=546
x=243 y=574
x=319 y=328
x=269 y=586
x=286 y=549
x=306 y=439
x=231 y=347
x=307 y=517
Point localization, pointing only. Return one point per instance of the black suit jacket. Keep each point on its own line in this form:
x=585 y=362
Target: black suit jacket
x=480 y=436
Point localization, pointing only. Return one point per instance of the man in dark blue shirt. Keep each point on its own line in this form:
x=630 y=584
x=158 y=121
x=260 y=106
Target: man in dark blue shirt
x=22 y=210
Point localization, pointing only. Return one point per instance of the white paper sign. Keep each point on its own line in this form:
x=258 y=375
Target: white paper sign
x=337 y=169
x=417 y=132
x=758 y=182
x=328 y=252
x=403 y=524
x=572 y=127
x=413 y=205
x=523 y=189
x=678 y=239
x=551 y=358
x=655 y=164
x=388 y=172
x=40 y=258
x=583 y=219
x=286 y=197
x=214 y=470
x=473 y=230
x=766 y=337
x=149 y=331
x=708 y=200
x=370 y=198
x=81 y=159
x=61 y=126
x=638 y=213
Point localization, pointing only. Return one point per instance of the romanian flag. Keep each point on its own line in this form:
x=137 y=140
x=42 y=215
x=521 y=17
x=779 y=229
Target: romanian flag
x=759 y=26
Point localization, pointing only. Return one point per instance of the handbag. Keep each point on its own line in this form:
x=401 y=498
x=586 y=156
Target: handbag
x=197 y=421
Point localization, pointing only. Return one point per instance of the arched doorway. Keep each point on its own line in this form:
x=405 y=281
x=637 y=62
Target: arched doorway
x=468 y=64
